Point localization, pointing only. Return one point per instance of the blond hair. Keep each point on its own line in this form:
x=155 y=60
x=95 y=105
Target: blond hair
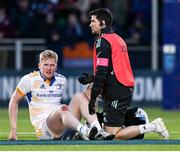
x=48 y=54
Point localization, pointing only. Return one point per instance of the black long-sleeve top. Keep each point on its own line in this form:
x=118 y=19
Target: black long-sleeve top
x=105 y=81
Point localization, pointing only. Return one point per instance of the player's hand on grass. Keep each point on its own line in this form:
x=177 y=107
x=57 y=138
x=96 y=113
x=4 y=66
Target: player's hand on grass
x=13 y=135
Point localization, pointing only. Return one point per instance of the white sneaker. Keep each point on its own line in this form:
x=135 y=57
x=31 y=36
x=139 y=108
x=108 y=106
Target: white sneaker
x=161 y=128
x=103 y=135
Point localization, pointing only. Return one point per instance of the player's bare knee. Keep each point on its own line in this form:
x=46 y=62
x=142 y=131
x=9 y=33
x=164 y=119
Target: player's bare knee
x=64 y=108
x=116 y=133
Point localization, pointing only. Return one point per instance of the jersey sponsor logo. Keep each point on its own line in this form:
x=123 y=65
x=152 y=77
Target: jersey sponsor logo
x=49 y=95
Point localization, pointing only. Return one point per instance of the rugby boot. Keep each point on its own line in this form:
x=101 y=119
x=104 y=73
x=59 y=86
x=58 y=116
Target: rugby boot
x=161 y=128
x=103 y=135
x=93 y=132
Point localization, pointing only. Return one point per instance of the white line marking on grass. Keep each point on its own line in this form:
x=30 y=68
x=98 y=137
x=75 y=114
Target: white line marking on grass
x=175 y=132
x=87 y=151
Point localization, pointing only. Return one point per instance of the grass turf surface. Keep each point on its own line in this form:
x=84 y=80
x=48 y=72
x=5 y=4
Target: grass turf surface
x=92 y=148
x=171 y=119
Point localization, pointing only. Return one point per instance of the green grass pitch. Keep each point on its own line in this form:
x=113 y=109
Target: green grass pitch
x=25 y=132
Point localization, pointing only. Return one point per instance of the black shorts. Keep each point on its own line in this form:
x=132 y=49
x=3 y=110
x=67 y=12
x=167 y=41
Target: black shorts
x=114 y=112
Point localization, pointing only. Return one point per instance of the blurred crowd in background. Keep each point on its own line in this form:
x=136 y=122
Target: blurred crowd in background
x=65 y=22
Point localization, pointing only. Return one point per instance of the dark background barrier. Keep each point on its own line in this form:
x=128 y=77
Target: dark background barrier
x=171 y=55
x=148 y=86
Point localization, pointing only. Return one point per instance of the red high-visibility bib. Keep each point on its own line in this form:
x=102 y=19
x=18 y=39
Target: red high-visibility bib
x=120 y=59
